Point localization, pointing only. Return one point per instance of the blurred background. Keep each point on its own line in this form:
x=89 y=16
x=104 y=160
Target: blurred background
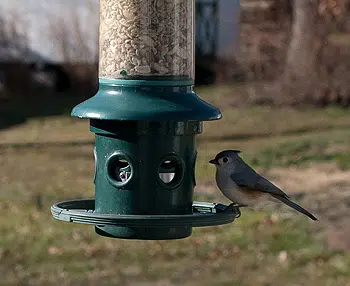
x=279 y=71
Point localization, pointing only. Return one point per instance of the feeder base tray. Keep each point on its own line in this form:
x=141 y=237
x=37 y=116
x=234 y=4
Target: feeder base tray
x=145 y=226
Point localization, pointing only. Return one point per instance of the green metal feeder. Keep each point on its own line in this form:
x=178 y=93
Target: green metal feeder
x=145 y=117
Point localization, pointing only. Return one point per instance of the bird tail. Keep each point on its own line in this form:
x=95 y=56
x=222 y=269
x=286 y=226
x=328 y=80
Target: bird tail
x=294 y=206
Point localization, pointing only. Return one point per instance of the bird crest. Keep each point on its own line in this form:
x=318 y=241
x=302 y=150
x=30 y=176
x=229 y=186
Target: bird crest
x=227 y=153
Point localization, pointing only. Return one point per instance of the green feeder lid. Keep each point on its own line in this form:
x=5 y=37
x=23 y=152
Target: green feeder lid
x=146 y=100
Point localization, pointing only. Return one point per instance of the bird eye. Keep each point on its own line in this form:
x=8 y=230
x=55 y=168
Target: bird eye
x=225 y=160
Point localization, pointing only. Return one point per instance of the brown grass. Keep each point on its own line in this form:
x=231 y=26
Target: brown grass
x=260 y=248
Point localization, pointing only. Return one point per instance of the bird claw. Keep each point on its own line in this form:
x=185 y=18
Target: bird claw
x=234 y=208
x=238 y=212
x=229 y=207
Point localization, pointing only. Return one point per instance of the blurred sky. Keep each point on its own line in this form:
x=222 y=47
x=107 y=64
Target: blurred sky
x=37 y=17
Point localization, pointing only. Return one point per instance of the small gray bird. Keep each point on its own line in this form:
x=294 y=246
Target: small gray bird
x=243 y=186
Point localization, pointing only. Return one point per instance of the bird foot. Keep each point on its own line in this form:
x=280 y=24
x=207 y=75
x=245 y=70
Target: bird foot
x=234 y=208
x=229 y=207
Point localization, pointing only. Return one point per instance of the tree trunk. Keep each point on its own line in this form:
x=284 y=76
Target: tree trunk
x=300 y=68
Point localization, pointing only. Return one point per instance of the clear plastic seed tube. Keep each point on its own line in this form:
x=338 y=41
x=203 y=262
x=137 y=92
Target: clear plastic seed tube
x=146 y=38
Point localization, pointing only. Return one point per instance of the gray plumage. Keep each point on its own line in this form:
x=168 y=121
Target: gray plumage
x=243 y=186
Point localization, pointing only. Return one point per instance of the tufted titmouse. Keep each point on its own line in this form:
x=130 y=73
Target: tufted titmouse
x=243 y=186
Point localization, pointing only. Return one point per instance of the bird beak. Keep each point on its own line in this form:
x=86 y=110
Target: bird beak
x=213 y=161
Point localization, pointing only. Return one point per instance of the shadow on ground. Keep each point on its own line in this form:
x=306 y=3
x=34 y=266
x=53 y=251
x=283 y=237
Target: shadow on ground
x=41 y=104
x=38 y=145
x=247 y=136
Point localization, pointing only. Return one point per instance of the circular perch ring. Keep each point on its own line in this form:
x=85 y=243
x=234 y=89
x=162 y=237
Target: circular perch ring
x=204 y=214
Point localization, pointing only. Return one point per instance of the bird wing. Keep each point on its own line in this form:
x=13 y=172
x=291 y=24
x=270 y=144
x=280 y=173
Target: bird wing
x=248 y=178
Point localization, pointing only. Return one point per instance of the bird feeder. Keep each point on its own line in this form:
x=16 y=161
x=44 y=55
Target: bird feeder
x=145 y=117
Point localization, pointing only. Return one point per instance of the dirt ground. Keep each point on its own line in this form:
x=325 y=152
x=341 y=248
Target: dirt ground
x=323 y=189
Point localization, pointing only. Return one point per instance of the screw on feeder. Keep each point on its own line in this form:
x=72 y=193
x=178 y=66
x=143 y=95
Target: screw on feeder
x=145 y=117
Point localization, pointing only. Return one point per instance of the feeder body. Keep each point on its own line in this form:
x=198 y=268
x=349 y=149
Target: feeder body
x=132 y=160
x=146 y=38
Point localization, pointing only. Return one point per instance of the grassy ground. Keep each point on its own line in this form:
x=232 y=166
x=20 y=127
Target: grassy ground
x=260 y=248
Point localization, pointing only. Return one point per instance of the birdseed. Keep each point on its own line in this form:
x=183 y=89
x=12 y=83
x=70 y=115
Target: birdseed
x=146 y=38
